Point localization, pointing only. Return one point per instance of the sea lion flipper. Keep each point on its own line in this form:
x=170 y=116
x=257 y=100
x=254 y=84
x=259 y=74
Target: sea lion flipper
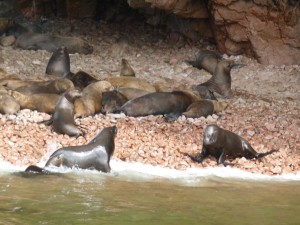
x=46 y=122
x=172 y=116
x=221 y=160
x=36 y=169
x=260 y=155
x=198 y=159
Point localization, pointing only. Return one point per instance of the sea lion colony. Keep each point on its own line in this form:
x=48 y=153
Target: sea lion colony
x=219 y=84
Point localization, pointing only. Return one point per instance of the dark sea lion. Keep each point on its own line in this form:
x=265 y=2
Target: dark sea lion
x=126 y=69
x=206 y=59
x=131 y=93
x=36 y=41
x=224 y=144
x=8 y=105
x=63 y=118
x=40 y=102
x=112 y=101
x=59 y=63
x=132 y=82
x=220 y=82
x=36 y=169
x=204 y=108
x=158 y=103
x=57 y=86
x=94 y=155
x=82 y=79
x=90 y=102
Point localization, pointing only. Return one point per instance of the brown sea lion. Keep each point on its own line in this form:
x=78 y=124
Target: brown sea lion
x=158 y=103
x=40 y=102
x=132 y=82
x=11 y=81
x=35 y=41
x=162 y=86
x=126 y=69
x=220 y=82
x=59 y=63
x=90 y=102
x=112 y=101
x=206 y=59
x=63 y=117
x=131 y=93
x=93 y=156
x=57 y=86
x=224 y=144
x=204 y=108
x=8 y=105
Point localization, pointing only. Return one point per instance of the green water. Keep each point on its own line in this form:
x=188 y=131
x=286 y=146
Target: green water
x=106 y=199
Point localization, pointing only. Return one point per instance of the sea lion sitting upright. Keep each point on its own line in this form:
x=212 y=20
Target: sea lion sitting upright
x=94 y=155
x=157 y=103
x=220 y=82
x=59 y=63
x=224 y=144
x=112 y=101
x=63 y=117
x=206 y=59
x=126 y=69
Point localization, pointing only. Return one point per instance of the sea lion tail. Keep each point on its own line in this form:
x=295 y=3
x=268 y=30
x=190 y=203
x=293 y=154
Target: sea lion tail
x=260 y=155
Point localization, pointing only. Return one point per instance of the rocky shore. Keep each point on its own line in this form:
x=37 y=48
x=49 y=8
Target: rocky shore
x=265 y=108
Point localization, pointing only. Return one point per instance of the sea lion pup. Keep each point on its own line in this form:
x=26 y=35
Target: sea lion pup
x=157 y=103
x=63 y=117
x=8 y=105
x=126 y=69
x=220 y=82
x=131 y=93
x=59 y=63
x=82 y=79
x=90 y=102
x=57 y=86
x=204 y=108
x=112 y=101
x=206 y=59
x=132 y=82
x=35 y=41
x=41 y=102
x=93 y=156
x=224 y=144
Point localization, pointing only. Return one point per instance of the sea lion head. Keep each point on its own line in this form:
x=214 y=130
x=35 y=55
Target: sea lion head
x=59 y=63
x=211 y=134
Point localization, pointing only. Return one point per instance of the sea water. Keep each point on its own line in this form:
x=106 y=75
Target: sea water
x=135 y=193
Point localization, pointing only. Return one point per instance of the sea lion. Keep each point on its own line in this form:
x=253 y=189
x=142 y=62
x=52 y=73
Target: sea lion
x=59 y=63
x=131 y=93
x=35 y=41
x=162 y=86
x=82 y=79
x=8 y=105
x=90 y=102
x=63 y=117
x=132 y=82
x=126 y=69
x=220 y=82
x=12 y=81
x=57 y=86
x=204 y=92
x=206 y=59
x=40 y=102
x=112 y=101
x=204 y=108
x=158 y=103
x=224 y=144
x=94 y=155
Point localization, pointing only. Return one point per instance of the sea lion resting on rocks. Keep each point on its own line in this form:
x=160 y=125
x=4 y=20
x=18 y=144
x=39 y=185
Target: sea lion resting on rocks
x=8 y=105
x=204 y=108
x=40 y=102
x=90 y=102
x=112 y=101
x=63 y=117
x=35 y=41
x=224 y=144
x=158 y=103
x=82 y=79
x=59 y=63
x=57 y=86
x=94 y=155
x=131 y=82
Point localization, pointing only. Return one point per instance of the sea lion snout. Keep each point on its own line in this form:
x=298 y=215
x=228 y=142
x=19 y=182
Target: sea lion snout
x=210 y=134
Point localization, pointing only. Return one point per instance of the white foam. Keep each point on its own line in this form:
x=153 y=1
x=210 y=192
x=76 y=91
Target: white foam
x=139 y=171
